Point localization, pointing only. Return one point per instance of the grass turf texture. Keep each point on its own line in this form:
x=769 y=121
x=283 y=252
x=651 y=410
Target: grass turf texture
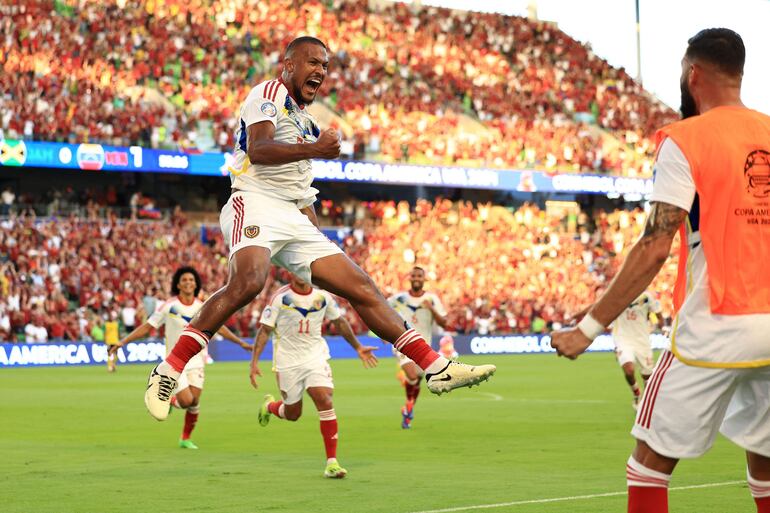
x=80 y=440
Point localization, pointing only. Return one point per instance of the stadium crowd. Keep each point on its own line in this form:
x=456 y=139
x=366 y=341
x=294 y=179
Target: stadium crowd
x=496 y=271
x=172 y=74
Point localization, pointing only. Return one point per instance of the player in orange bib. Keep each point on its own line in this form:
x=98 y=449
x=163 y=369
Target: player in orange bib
x=712 y=184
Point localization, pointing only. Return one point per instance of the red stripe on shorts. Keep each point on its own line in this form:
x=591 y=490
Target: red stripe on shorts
x=238 y=223
x=649 y=399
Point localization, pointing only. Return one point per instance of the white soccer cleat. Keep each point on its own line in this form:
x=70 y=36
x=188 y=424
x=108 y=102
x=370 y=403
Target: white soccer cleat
x=157 y=398
x=456 y=375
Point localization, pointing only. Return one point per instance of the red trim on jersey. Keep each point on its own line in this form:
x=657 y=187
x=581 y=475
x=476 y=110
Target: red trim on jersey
x=299 y=292
x=651 y=393
x=288 y=91
x=278 y=292
x=274 y=92
x=186 y=304
x=268 y=89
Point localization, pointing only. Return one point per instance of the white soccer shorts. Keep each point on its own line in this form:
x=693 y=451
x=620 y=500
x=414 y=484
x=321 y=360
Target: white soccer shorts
x=254 y=219
x=293 y=382
x=637 y=353
x=191 y=377
x=683 y=408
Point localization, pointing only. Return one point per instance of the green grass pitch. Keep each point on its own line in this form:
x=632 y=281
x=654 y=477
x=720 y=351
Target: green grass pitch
x=80 y=440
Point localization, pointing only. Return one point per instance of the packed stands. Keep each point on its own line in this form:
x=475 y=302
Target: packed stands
x=496 y=271
x=171 y=74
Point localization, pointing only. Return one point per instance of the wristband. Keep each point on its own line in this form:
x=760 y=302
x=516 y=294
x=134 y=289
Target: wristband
x=590 y=327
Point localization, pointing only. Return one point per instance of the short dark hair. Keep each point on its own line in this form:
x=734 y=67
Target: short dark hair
x=721 y=47
x=178 y=276
x=301 y=41
x=418 y=268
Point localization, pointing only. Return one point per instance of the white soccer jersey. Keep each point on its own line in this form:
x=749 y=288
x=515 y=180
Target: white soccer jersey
x=297 y=320
x=410 y=308
x=633 y=325
x=175 y=315
x=270 y=101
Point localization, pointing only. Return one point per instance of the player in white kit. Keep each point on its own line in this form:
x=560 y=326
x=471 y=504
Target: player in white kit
x=631 y=334
x=424 y=311
x=712 y=176
x=295 y=319
x=270 y=216
x=174 y=315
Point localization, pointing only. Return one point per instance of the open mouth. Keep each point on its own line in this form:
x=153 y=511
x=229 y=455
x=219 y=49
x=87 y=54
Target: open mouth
x=313 y=84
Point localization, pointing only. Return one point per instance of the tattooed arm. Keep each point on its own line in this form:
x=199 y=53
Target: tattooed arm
x=642 y=264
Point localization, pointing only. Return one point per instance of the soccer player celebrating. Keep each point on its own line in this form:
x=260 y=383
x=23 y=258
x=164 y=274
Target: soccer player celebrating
x=174 y=314
x=424 y=311
x=711 y=184
x=631 y=334
x=296 y=314
x=270 y=216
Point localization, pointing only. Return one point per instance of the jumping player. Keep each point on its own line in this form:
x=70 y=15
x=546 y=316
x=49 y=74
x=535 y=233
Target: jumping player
x=295 y=317
x=422 y=310
x=174 y=314
x=270 y=215
x=631 y=334
x=711 y=184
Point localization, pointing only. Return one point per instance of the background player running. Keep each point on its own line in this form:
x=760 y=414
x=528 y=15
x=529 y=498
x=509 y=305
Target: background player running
x=631 y=334
x=174 y=314
x=423 y=311
x=295 y=317
x=270 y=215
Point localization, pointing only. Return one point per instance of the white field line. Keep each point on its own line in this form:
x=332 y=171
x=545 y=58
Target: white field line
x=571 y=498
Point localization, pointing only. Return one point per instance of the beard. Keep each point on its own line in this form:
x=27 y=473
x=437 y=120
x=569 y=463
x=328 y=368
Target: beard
x=687 y=107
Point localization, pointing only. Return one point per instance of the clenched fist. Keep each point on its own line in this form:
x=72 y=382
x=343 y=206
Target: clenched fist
x=328 y=144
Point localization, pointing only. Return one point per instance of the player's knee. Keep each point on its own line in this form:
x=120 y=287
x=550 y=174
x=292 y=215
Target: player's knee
x=325 y=403
x=293 y=415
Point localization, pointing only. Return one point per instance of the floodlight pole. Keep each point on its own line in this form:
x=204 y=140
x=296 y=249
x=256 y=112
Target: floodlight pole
x=638 y=45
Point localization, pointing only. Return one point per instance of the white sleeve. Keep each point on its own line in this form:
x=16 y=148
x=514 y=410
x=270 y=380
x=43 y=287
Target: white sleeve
x=259 y=106
x=270 y=314
x=158 y=317
x=438 y=306
x=673 y=183
x=332 y=308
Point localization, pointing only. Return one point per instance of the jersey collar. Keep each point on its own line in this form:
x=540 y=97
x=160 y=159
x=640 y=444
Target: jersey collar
x=300 y=293
x=300 y=105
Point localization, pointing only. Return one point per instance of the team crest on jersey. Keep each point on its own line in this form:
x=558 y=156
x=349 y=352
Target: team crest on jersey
x=268 y=109
x=251 y=231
